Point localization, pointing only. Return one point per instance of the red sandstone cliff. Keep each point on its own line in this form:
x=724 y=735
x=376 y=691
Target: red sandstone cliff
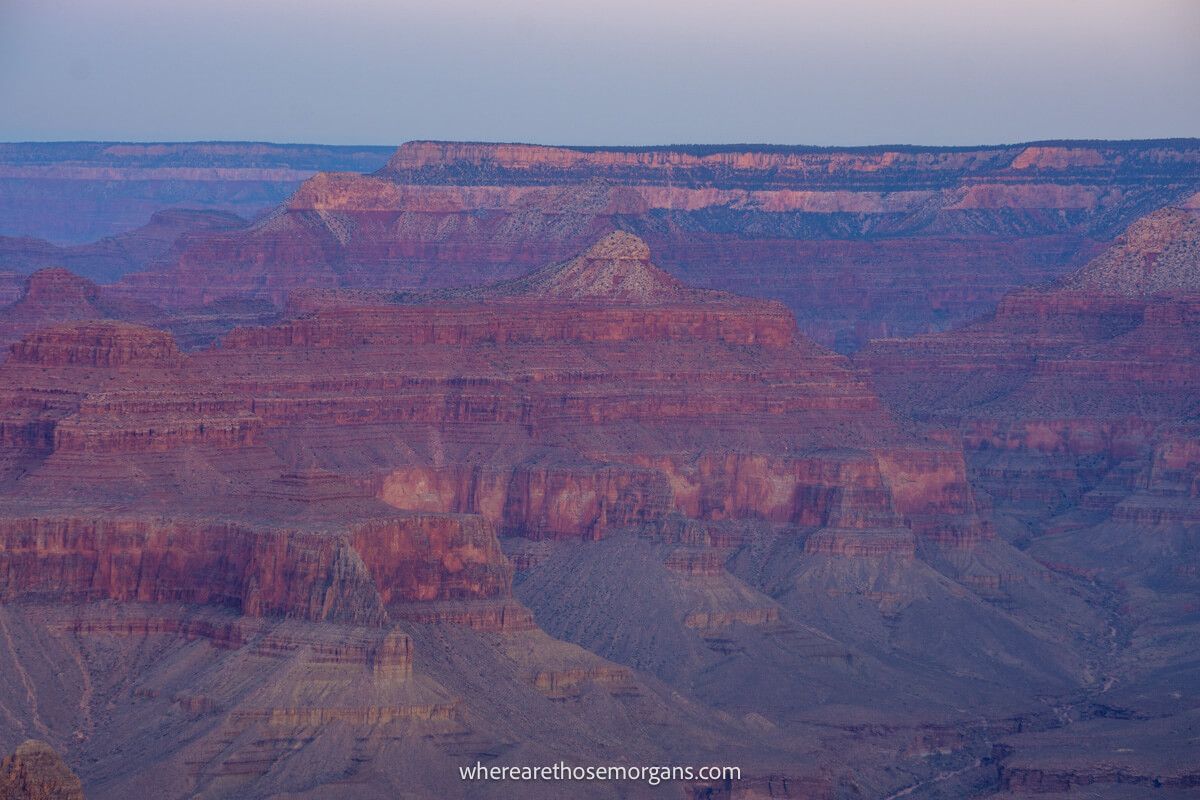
x=54 y=295
x=1117 y=338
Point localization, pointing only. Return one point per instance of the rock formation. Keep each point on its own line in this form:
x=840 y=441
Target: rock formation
x=35 y=771
x=858 y=243
x=1158 y=254
x=472 y=477
x=55 y=295
x=1076 y=407
x=337 y=542
x=1093 y=366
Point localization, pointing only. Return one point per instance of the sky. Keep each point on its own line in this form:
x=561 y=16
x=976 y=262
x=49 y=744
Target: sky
x=822 y=72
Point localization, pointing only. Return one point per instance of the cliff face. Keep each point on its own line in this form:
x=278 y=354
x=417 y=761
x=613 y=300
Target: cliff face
x=107 y=401
x=596 y=395
x=312 y=575
x=480 y=162
x=587 y=404
x=857 y=243
x=554 y=365
x=1073 y=416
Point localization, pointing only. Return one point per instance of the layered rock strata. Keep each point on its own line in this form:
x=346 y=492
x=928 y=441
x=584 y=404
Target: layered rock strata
x=291 y=546
x=858 y=243
x=1079 y=389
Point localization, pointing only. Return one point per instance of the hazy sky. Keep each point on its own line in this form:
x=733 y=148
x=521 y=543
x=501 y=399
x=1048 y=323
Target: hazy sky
x=615 y=72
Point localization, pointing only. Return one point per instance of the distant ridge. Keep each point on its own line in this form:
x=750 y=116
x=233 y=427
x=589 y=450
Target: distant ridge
x=764 y=147
x=76 y=192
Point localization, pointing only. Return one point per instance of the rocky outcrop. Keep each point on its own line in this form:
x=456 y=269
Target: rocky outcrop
x=854 y=544
x=557 y=358
x=1107 y=345
x=616 y=268
x=732 y=164
x=35 y=771
x=54 y=295
x=1139 y=757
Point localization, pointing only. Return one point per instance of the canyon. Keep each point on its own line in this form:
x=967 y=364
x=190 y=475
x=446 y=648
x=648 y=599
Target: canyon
x=519 y=454
x=1076 y=406
x=859 y=243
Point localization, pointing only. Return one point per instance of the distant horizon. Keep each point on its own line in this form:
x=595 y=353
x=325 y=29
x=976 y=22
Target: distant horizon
x=1166 y=140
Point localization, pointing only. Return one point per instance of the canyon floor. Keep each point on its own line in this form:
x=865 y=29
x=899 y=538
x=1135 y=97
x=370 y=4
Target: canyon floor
x=874 y=472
